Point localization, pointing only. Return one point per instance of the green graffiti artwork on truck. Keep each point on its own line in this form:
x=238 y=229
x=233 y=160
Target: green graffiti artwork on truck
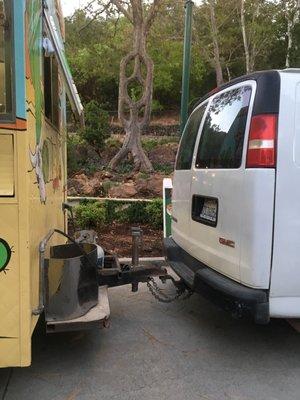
x=34 y=15
x=5 y=255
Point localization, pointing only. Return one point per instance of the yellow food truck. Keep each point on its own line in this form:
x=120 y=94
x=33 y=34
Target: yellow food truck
x=34 y=78
x=42 y=269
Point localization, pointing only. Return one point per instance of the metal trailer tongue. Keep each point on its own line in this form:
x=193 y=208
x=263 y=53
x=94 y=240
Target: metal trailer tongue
x=77 y=297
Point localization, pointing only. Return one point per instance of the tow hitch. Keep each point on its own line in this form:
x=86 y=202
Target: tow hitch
x=79 y=298
x=115 y=273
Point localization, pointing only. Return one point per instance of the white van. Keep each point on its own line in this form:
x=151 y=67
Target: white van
x=236 y=197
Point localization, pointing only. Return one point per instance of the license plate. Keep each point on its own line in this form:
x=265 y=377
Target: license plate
x=209 y=210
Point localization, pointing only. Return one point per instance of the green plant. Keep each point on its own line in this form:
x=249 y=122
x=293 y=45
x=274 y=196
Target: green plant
x=163 y=168
x=112 y=211
x=106 y=185
x=113 y=143
x=125 y=167
x=74 y=164
x=135 y=213
x=97 y=127
x=157 y=107
x=90 y=215
x=149 y=144
x=154 y=212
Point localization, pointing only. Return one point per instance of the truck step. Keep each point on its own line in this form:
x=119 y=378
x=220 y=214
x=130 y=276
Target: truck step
x=93 y=318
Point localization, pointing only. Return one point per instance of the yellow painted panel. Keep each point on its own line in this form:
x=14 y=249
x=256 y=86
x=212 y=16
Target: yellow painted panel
x=10 y=353
x=6 y=165
x=9 y=272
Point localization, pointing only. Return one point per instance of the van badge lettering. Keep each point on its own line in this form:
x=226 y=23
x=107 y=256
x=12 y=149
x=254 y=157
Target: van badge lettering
x=226 y=242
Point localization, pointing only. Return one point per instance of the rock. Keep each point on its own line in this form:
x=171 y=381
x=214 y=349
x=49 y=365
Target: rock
x=155 y=184
x=126 y=191
x=164 y=154
x=107 y=174
x=81 y=178
x=150 y=187
x=72 y=192
x=88 y=190
x=75 y=186
x=82 y=185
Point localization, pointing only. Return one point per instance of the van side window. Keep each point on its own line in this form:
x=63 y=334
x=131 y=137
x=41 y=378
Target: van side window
x=5 y=60
x=222 y=139
x=187 y=144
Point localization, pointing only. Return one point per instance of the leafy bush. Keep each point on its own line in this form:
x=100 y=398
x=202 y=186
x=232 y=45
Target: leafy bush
x=163 y=168
x=154 y=212
x=113 y=143
x=74 y=163
x=97 y=126
x=90 y=215
x=135 y=213
x=149 y=144
x=157 y=107
x=112 y=212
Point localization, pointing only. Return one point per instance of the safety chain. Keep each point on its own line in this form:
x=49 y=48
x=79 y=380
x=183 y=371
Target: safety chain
x=182 y=293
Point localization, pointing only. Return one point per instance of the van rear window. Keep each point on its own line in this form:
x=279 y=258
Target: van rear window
x=222 y=138
x=187 y=144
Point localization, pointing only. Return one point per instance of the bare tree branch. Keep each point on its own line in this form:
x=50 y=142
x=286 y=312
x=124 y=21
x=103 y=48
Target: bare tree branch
x=152 y=13
x=119 y=4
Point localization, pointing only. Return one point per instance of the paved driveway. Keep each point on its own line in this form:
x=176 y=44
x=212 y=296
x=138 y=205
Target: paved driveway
x=185 y=350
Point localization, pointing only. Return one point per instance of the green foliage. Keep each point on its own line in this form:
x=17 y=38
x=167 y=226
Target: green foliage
x=90 y=215
x=95 y=48
x=149 y=144
x=113 y=143
x=125 y=167
x=135 y=213
x=154 y=210
x=75 y=162
x=152 y=144
x=97 y=126
x=163 y=168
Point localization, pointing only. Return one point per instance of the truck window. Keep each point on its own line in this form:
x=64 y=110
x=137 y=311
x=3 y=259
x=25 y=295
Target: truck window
x=221 y=143
x=187 y=144
x=51 y=90
x=5 y=60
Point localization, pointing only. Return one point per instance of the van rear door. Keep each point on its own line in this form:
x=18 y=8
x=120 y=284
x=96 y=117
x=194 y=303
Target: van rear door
x=181 y=203
x=217 y=188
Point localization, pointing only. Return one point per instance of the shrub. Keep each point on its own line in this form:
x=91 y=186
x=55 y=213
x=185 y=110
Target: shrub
x=149 y=144
x=154 y=212
x=90 y=215
x=112 y=212
x=135 y=213
x=94 y=214
x=163 y=168
x=74 y=164
x=97 y=126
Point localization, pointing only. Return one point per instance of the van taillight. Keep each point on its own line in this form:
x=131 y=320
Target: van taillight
x=262 y=141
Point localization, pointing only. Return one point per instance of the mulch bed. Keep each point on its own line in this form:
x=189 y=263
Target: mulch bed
x=117 y=238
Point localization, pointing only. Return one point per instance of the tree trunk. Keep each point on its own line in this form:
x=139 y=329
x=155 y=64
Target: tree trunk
x=135 y=113
x=214 y=34
x=292 y=20
x=245 y=41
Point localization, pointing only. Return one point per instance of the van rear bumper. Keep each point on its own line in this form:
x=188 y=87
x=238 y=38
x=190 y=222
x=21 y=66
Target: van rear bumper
x=233 y=296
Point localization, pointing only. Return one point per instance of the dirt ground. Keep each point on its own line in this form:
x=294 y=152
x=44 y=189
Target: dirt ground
x=117 y=238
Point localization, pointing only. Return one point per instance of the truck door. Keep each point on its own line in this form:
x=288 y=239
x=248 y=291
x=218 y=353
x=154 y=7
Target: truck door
x=182 y=179
x=216 y=195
